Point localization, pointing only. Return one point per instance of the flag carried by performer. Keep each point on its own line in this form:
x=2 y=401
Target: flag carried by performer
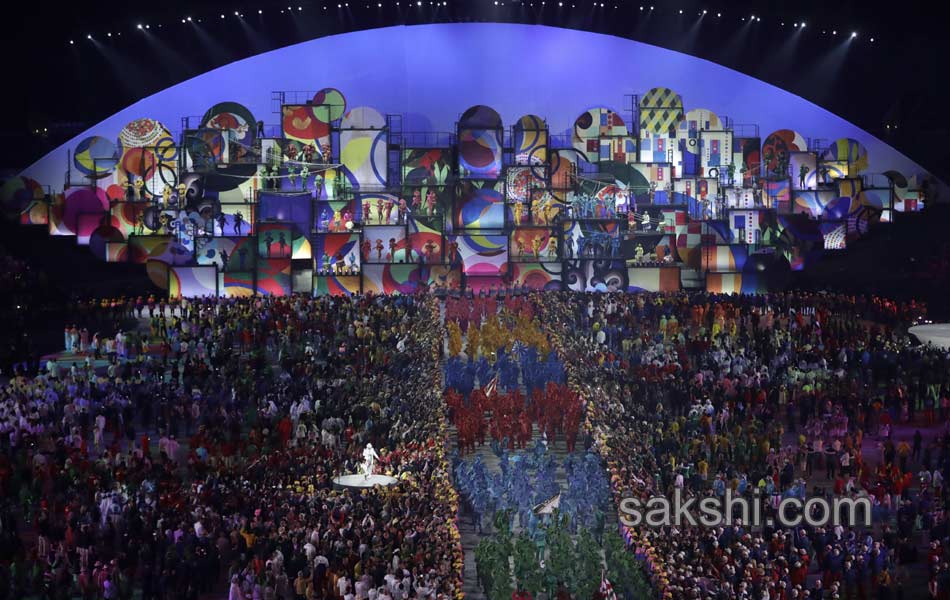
x=548 y=506
x=491 y=387
x=606 y=588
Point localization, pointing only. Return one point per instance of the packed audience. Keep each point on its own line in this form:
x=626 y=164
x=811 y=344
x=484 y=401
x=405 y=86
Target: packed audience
x=787 y=394
x=203 y=459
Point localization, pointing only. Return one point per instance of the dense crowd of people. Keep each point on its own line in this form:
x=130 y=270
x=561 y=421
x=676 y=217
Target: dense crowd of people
x=701 y=394
x=201 y=458
x=207 y=464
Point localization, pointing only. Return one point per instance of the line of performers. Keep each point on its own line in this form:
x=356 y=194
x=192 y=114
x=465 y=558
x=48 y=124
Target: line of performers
x=509 y=417
x=403 y=208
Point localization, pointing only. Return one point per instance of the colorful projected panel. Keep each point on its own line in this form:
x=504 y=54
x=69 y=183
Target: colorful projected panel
x=37 y=213
x=653 y=279
x=686 y=193
x=735 y=283
x=429 y=204
x=592 y=238
x=748 y=159
x=302 y=249
x=835 y=235
x=804 y=168
x=190 y=282
x=745 y=225
x=426 y=166
x=689 y=140
x=716 y=147
x=336 y=285
x=386 y=244
x=479 y=207
x=95 y=157
x=594 y=127
x=536 y=276
x=129 y=218
x=86 y=223
x=479 y=254
x=274 y=240
x=77 y=201
x=563 y=169
x=812 y=203
x=777 y=152
x=596 y=275
x=661 y=110
x=425 y=243
x=778 y=194
x=235 y=220
x=521 y=181
x=650 y=182
x=164 y=248
x=739 y=197
x=531 y=141
x=333 y=215
x=148 y=159
x=480 y=153
x=393 y=279
x=307 y=125
x=273 y=277
x=238 y=126
x=724 y=259
x=363 y=148
x=337 y=253
x=533 y=244
x=229 y=254
x=848 y=157
x=236 y=284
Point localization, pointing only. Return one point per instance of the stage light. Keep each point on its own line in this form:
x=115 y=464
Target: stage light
x=182 y=20
x=759 y=19
x=72 y=42
x=235 y=13
x=560 y=4
x=148 y=26
x=681 y=11
x=109 y=34
x=835 y=32
x=260 y=12
x=88 y=36
x=704 y=12
x=641 y=8
x=803 y=24
x=854 y=34
x=189 y=19
x=872 y=40
x=139 y=25
x=719 y=15
x=222 y=16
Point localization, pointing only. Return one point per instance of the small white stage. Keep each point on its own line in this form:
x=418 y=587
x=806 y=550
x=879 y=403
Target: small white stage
x=937 y=334
x=359 y=481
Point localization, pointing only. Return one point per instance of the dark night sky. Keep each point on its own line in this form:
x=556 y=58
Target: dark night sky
x=897 y=80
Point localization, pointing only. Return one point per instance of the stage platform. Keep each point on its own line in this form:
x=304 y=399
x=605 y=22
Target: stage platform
x=358 y=482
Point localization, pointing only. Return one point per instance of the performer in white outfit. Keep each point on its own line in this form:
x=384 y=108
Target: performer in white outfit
x=369 y=460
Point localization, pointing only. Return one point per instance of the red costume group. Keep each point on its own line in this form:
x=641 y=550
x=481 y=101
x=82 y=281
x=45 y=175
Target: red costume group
x=511 y=416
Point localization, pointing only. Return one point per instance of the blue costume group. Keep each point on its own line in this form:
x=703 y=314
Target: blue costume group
x=528 y=479
x=521 y=365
